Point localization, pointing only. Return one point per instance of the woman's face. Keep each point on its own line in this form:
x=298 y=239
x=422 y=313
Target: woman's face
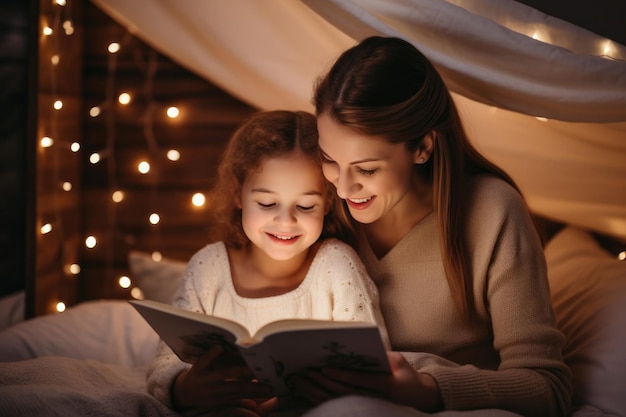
x=283 y=205
x=373 y=176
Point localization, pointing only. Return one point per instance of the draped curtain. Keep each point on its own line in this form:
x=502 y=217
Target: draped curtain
x=541 y=97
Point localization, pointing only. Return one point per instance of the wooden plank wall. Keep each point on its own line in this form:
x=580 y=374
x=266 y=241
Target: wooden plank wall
x=141 y=131
x=124 y=135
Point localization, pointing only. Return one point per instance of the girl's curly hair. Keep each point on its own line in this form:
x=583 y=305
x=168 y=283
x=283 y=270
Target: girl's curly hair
x=265 y=135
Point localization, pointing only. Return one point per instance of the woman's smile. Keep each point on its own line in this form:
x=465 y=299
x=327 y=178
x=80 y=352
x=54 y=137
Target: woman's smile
x=360 y=203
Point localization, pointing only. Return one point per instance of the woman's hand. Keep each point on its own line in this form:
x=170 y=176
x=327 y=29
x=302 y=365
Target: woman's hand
x=403 y=386
x=211 y=385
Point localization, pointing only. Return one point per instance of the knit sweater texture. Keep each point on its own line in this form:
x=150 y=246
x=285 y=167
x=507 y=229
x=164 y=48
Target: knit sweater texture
x=336 y=287
x=512 y=359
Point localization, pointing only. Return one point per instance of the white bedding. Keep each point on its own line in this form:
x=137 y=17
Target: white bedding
x=11 y=309
x=68 y=387
x=91 y=359
x=110 y=331
x=88 y=361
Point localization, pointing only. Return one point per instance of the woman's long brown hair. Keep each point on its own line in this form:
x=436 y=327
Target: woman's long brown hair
x=385 y=87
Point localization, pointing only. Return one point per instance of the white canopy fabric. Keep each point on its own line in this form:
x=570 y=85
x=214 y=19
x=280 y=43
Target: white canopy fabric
x=543 y=98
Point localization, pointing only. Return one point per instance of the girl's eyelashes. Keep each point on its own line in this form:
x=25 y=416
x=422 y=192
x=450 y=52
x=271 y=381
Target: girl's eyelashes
x=272 y=205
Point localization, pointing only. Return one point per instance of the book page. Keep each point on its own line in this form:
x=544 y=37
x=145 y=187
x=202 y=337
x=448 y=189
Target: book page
x=190 y=334
x=282 y=354
x=305 y=324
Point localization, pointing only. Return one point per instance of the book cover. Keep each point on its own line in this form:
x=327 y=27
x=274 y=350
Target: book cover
x=277 y=350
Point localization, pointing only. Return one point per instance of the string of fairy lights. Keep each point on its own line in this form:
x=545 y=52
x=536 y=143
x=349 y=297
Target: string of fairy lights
x=144 y=166
x=53 y=32
x=61 y=25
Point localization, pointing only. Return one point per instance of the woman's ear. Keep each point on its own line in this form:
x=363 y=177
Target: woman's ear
x=425 y=149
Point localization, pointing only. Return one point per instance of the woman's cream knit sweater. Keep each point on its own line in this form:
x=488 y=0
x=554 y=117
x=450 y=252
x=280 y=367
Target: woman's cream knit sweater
x=512 y=360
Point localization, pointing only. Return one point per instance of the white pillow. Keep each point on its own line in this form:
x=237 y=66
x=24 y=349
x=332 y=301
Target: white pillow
x=12 y=309
x=588 y=289
x=157 y=280
x=110 y=331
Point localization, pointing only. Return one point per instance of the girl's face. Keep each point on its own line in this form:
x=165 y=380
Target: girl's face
x=373 y=176
x=283 y=205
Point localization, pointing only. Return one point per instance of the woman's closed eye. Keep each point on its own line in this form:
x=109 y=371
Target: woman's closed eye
x=361 y=171
x=366 y=171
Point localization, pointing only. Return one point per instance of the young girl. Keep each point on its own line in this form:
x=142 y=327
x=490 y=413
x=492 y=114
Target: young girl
x=278 y=258
x=448 y=239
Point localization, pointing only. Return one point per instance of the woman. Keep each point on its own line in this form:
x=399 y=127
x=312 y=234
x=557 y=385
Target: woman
x=448 y=239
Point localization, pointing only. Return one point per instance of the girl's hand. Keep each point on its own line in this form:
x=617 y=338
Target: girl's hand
x=207 y=385
x=403 y=386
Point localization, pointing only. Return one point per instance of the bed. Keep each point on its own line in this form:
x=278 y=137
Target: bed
x=91 y=359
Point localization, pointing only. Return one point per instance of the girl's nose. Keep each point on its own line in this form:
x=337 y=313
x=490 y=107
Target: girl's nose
x=285 y=216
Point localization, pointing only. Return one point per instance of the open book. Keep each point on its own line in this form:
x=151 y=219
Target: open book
x=277 y=350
